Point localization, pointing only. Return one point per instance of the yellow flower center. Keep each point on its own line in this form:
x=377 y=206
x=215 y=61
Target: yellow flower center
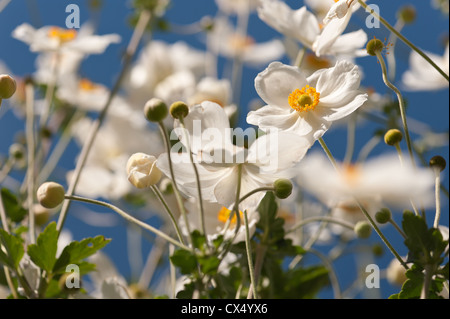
x=305 y=99
x=87 y=85
x=224 y=215
x=61 y=34
x=240 y=43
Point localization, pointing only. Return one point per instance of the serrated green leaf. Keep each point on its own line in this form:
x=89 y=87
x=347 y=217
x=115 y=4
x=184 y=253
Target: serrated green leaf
x=184 y=260
x=14 y=210
x=75 y=252
x=209 y=265
x=417 y=234
x=43 y=253
x=198 y=240
x=14 y=249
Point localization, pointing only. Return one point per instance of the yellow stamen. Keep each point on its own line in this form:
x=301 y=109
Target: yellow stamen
x=87 y=85
x=240 y=43
x=224 y=214
x=61 y=34
x=305 y=99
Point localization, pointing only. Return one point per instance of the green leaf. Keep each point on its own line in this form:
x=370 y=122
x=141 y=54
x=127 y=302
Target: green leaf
x=14 y=249
x=185 y=261
x=209 y=265
x=418 y=238
x=75 y=252
x=198 y=240
x=14 y=210
x=43 y=253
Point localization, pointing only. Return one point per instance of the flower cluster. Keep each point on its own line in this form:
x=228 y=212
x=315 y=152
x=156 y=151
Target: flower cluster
x=236 y=176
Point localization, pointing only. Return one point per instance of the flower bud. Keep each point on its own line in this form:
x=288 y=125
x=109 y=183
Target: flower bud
x=155 y=110
x=407 y=14
x=142 y=171
x=166 y=186
x=17 y=151
x=50 y=194
x=41 y=215
x=374 y=46
x=179 y=110
x=396 y=273
x=392 y=137
x=363 y=229
x=7 y=86
x=383 y=216
x=378 y=250
x=283 y=188
x=438 y=162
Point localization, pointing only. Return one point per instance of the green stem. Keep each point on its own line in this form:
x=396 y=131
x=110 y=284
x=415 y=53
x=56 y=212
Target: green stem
x=331 y=273
x=144 y=19
x=366 y=214
x=300 y=57
x=401 y=37
x=393 y=223
x=158 y=194
x=401 y=104
x=172 y=176
x=437 y=197
x=29 y=89
x=248 y=247
x=320 y=218
x=129 y=218
x=197 y=179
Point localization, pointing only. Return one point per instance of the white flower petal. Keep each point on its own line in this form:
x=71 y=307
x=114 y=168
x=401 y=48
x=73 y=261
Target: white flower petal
x=272 y=116
x=277 y=81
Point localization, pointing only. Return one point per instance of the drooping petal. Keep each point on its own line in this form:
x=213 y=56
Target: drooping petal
x=94 y=44
x=277 y=81
x=278 y=151
x=332 y=30
x=272 y=116
x=349 y=44
x=299 y=24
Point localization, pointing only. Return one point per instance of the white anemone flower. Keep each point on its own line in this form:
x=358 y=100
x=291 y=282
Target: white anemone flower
x=214 y=90
x=304 y=105
x=164 y=69
x=237 y=6
x=421 y=76
x=380 y=181
x=226 y=41
x=219 y=161
x=57 y=39
x=119 y=137
x=335 y=23
x=216 y=217
x=87 y=95
x=304 y=27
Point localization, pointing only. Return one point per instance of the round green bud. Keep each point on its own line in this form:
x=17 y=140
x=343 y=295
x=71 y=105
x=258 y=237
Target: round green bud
x=374 y=46
x=46 y=132
x=41 y=215
x=407 y=14
x=407 y=212
x=378 y=250
x=155 y=110
x=393 y=136
x=166 y=186
x=7 y=86
x=282 y=188
x=363 y=229
x=438 y=161
x=383 y=216
x=17 y=151
x=179 y=110
x=50 y=194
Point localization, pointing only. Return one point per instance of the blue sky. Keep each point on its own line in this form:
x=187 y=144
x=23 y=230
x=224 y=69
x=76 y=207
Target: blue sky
x=428 y=32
